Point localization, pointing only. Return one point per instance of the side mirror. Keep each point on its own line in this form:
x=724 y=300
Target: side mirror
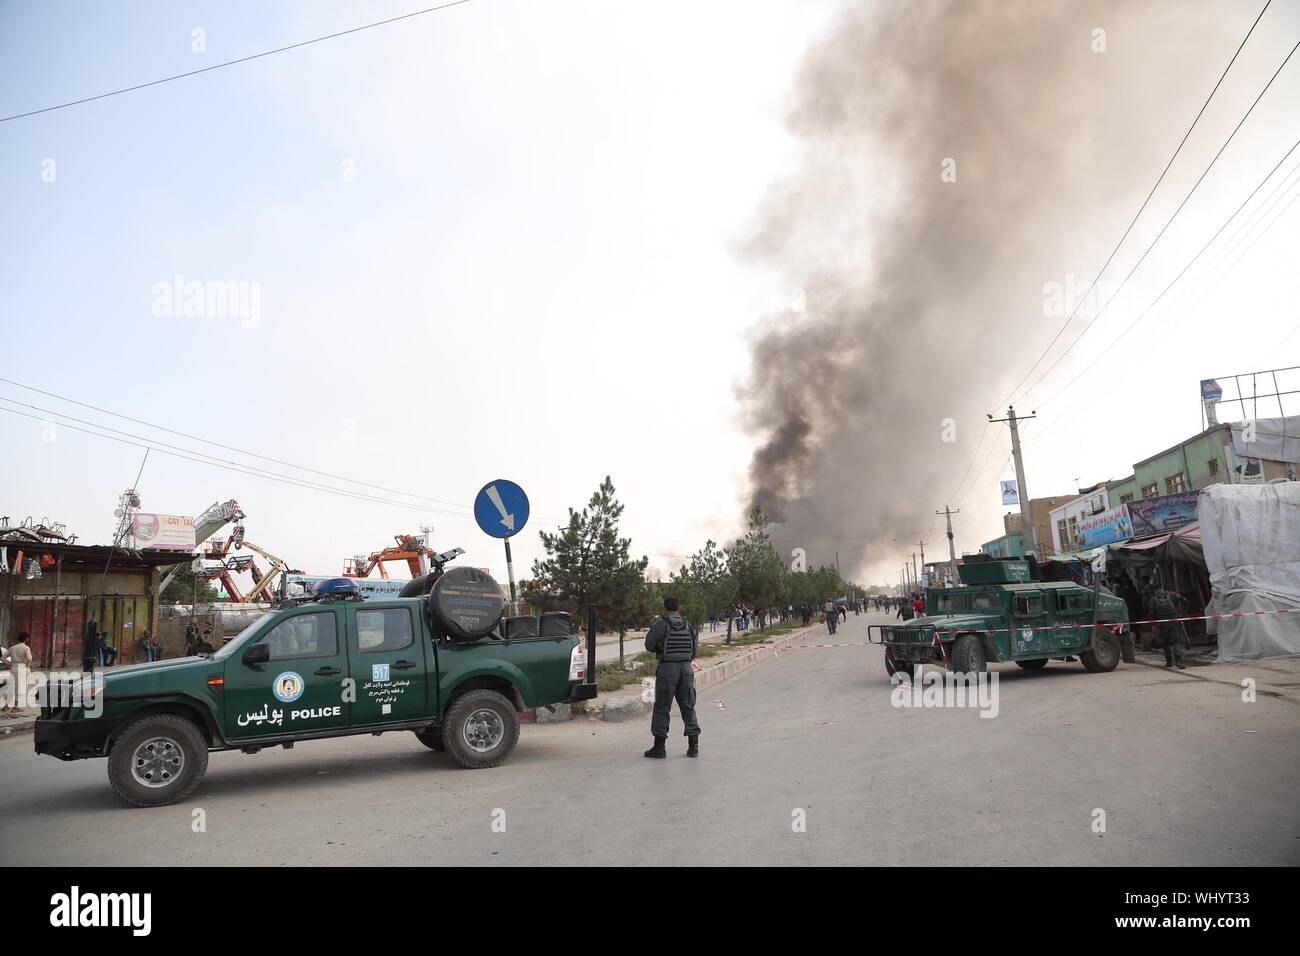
x=258 y=654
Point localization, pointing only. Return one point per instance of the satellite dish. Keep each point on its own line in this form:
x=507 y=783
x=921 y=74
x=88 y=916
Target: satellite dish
x=117 y=512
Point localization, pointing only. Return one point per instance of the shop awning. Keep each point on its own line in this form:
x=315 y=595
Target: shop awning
x=1146 y=544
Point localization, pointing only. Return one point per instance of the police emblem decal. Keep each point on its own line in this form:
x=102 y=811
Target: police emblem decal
x=288 y=687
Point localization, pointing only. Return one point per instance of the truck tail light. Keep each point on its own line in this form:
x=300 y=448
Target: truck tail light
x=578 y=663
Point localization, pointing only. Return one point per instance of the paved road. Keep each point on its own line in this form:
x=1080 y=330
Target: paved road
x=1186 y=772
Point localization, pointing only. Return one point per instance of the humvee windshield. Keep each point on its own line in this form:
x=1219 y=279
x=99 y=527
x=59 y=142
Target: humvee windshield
x=950 y=604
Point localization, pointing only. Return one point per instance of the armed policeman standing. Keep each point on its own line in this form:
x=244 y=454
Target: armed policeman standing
x=672 y=639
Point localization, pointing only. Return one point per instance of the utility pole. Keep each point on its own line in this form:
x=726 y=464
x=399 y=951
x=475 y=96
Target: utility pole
x=952 y=552
x=915 y=577
x=921 y=544
x=1022 y=492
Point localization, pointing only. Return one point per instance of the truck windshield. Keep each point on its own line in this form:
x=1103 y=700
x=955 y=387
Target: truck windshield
x=950 y=603
x=228 y=648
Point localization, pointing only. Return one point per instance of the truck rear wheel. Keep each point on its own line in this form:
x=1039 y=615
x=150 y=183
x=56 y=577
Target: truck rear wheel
x=968 y=655
x=431 y=739
x=1034 y=665
x=481 y=729
x=158 y=759
x=1103 y=655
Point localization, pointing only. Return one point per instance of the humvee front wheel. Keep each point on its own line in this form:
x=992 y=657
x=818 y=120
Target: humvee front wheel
x=481 y=729
x=1035 y=665
x=157 y=760
x=893 y=667
x=968 y=655
x=1103 y=655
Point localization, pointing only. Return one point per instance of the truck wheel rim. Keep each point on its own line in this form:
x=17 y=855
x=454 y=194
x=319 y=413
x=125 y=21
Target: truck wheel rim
x=483 y=730
x=157 y=762
x=1104 y=651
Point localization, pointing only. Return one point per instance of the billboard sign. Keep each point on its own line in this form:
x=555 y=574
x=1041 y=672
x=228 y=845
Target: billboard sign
x=1165 y=513
x=163 y=532
x=1106 y=527
x=1010 y=496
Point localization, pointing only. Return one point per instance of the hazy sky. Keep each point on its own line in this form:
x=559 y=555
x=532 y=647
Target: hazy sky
x=501 y=241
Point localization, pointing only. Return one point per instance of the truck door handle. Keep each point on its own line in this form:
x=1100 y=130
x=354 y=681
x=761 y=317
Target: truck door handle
x=326 y=671
x=403 y=665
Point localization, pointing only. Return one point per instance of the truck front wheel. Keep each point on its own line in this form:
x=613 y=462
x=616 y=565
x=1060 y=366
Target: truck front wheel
x=893 y=667
x=968 y=655
x=157 y=760
x=481 y=729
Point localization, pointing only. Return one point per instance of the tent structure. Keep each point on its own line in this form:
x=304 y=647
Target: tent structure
x=1251 y=539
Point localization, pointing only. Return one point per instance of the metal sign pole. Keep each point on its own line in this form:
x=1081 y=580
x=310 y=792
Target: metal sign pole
x=510 y=571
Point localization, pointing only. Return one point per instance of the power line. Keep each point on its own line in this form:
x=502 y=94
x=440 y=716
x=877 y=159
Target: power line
x=975 y=455
x=242 y=59
x=1136 y=215
x=1166 y=226
x=249 y=468
x=214 y=444
x=1191 y=262
x=230 y=466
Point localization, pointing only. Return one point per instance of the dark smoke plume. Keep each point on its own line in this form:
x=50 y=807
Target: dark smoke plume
x=924 y=298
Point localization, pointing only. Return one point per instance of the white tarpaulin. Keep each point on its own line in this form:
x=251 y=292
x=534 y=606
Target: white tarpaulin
x=1276 y=439
x=1251 y=535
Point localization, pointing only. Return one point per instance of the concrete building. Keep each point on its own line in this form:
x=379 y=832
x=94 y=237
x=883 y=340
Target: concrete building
x=1040 y=513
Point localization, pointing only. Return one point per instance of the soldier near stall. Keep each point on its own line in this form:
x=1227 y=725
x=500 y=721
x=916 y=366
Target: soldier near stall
x=672 y=639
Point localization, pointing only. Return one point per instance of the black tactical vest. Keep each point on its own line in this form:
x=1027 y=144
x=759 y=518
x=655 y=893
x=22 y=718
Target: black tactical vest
x=678 y=643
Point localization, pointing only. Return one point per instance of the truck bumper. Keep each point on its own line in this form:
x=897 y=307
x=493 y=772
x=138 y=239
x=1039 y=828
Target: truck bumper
x=73 y=739
x=583 y=692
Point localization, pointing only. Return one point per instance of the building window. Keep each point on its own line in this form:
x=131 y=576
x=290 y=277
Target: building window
x=1214 y=467
x=1062 y=542
x=1125 y=499
x=1175 y=484
x=1151 y=490
x=1074 y=531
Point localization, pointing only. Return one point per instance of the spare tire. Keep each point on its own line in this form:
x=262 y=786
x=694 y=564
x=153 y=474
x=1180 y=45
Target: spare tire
x=466 y=603
x=418 y=587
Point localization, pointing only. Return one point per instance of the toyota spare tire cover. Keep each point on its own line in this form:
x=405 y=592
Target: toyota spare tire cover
x=467 y=603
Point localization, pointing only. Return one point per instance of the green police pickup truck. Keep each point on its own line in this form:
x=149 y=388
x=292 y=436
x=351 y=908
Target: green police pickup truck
x=442 y=665
x=1003 y=612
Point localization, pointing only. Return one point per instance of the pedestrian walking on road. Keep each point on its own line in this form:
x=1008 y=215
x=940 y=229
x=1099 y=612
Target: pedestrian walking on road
x=832 y=617
x=1163 y=605
x=672 y=639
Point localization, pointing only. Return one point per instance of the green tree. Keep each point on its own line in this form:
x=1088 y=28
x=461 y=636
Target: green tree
x=704 y=585
x=180 y=589
x=587 y=564
x=757 y=568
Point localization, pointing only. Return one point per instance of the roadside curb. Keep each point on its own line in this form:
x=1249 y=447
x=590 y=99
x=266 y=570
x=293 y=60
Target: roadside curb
x=1223 y=679
x=626 y=705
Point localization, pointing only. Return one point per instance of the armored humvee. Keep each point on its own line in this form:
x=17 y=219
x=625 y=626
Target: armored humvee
x=1002 y=611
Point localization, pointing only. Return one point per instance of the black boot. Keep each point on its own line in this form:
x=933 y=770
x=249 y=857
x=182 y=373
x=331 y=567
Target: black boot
x=658 y=749
x=693 y=748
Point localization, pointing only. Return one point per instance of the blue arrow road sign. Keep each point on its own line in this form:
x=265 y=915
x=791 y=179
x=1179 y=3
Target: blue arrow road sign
x=501 y=508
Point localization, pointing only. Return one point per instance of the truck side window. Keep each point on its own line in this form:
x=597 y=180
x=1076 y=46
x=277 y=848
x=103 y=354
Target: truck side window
x=303 y=635
x=1030 y=604
x=1073 y=603
x=384 y=629
x=985 y=601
